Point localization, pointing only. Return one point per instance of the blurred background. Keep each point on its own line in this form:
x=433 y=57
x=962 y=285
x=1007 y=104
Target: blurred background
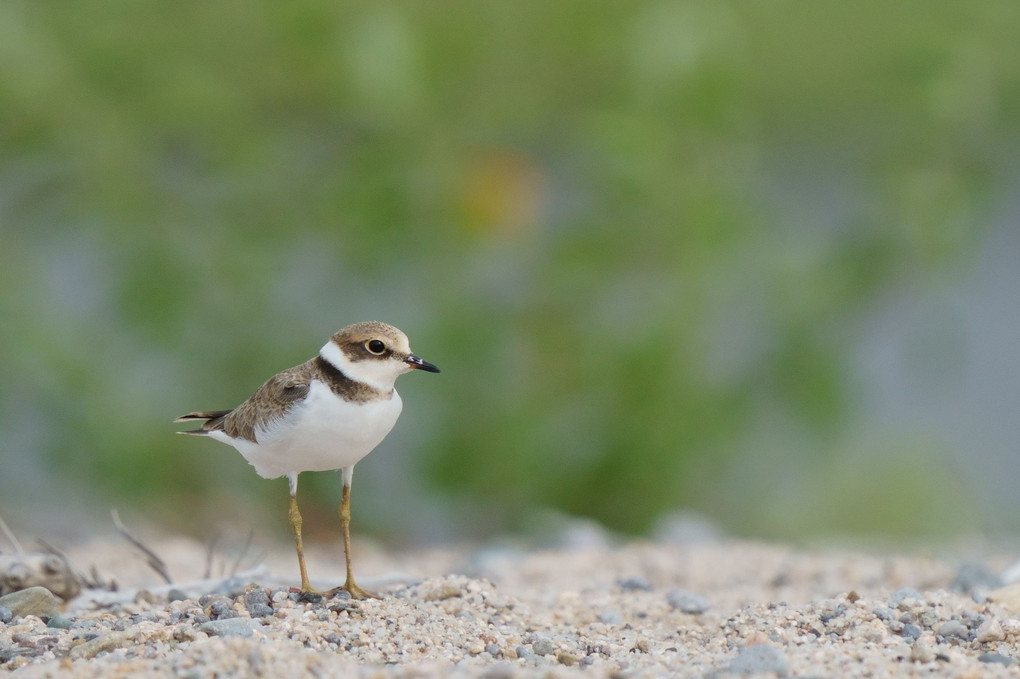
x=752 y=260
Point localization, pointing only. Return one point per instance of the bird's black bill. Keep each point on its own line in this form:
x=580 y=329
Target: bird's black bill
x=418 y=363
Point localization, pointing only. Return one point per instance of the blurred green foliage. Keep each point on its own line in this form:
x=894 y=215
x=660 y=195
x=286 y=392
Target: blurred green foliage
x=637 y=238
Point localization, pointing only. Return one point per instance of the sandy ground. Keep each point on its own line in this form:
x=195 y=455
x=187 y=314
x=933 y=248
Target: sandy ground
x=588 y=607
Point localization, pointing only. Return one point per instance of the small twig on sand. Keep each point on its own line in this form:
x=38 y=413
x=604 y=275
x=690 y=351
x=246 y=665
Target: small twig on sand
x=93 y=581
x=210 y=549
x=155 y=563
x=60 y=554
x=243 y=553
x=9 y=534
x=73 y=578
x=259 y=558
x=90 y=580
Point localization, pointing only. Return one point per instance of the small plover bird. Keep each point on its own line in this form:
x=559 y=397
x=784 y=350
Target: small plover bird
x=325 y=414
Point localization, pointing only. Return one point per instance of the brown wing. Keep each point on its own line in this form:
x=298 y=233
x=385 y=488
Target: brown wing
x=268 y=403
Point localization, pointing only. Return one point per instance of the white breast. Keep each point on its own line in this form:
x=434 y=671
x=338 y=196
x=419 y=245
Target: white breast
x=323 y=432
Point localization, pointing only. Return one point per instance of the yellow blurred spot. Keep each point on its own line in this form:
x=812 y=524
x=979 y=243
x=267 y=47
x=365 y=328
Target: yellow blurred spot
x=504 y=194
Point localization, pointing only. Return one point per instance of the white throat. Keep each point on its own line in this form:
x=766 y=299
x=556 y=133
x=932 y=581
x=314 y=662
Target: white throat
x=379 y=374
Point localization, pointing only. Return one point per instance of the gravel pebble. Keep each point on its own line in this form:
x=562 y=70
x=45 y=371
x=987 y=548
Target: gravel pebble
x=922 y=652
x=989 y=631
x=59 y=622
x=231 y=627
x=610 y=617
x=231 y=587
x=904 y=595
x=953 y=628
x=5 y=615
x=634 y=584
x=176 y=595
x=106 y=642
x=185 y=633
x=759 y=658
x=975 y=576
x=883 y=613
x=1011 y=627
x=220 y=608
x=543 y=647
x=256 y=601
x=551 y=613
x=500 y=671
x=687 y=602
x=910 y=632
x=995 y=658
x=37 y=601
x=566 y=658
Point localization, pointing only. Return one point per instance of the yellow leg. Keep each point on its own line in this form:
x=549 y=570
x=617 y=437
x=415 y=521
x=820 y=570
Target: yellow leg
x=345 y=528
x=295 y=527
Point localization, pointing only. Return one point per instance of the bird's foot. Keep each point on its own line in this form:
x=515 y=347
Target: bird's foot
x=312 y=596
x=309 y=595
x=354 y=591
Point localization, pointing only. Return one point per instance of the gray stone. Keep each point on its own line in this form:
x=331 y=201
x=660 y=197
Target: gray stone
x=634 y=584
x=522 y=652
x=59 y=622
x=37 y=601
x=220 y=608
x=953 y=628
x=996 y=658
x=687 y=602
x=176 y=595
x=5 y=615
x=231 y=587
x=758 y=659
x=543 y=647
x=231 y=627
x=884 y=614
x=975 y=576
x=256 y=600
x=260 y=611
x=610 y=617
x=928 y=618
x=910 y=632
x=904 y=594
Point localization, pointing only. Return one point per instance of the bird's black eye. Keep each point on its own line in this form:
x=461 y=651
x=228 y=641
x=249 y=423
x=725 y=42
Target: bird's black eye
x=377 y=347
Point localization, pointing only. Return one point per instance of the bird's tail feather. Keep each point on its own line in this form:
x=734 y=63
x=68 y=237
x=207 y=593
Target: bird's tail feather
x=202 y=415
x=213 y=421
